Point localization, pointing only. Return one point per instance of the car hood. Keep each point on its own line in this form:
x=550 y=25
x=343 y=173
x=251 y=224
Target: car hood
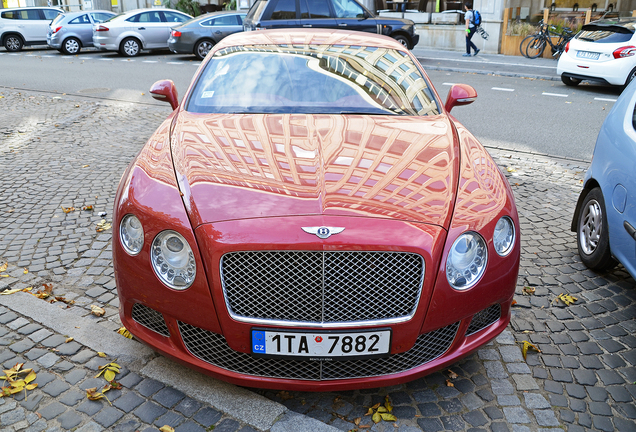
x=239 y=166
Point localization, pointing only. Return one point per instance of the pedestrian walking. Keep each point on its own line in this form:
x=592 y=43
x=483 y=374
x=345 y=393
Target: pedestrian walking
x=471 y=28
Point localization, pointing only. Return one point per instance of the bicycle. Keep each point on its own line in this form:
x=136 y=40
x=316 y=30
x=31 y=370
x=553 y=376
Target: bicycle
x=537 y=44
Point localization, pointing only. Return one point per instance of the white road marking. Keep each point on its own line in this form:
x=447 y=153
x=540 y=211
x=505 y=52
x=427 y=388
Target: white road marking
x=448 y=84
x=502 y=89
x=105 y=59
x=150 y=61
x=175 y=62
x=554 y=94
x=67 y=57
x=605 y=99
x=30 y=55
x=14 y=54
x=489 y=62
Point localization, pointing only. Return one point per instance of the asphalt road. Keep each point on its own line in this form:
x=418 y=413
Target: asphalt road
x=536 y=115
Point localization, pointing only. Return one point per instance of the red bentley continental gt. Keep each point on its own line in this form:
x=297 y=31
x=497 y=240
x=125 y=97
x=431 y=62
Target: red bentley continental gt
x=311 y=217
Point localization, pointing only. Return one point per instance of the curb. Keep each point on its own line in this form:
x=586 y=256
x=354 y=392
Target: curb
x=242 y=404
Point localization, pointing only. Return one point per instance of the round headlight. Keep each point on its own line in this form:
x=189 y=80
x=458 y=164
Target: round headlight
x=173 y=260
x=131 y=234
x=504 y=236
x=466 y=261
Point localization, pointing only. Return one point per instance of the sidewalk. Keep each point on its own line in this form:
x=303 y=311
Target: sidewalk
x=65 y=151
x=495 y=64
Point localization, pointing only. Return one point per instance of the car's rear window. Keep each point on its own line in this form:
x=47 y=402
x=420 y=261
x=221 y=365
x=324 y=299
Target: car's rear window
x=312 y=80
x=605 y=33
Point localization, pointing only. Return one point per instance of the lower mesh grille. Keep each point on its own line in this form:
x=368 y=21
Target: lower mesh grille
x=212 y=348
x=150 y=318
x=483 y=319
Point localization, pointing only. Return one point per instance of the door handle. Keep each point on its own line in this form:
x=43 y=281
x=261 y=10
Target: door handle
x=141 y=28
x=306 y=25
x=630 y=229
x=217 y=32
x=342 y=24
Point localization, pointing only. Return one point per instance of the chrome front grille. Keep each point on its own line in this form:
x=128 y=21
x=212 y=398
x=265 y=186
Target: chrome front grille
x=150 y=318
x=321 y=287
x=483 y=319
x=212 y=348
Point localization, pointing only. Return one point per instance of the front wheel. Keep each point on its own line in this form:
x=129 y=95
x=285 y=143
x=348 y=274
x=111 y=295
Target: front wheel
x=71 y=46
x=202 y=48
x=535 y=47
x=569 y=81
x=130 y=47
x=402 y=40
x=13 y=43
x=592 y=236
x=523 y=46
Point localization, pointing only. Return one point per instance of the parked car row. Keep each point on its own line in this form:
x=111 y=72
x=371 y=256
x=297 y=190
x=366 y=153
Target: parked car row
x=145 y=29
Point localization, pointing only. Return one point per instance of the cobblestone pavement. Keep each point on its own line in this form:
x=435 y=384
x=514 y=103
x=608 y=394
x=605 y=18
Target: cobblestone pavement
x=67 y=152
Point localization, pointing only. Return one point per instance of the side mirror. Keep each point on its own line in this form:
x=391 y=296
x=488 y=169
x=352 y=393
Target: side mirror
x=165 y=91
x=460 y=94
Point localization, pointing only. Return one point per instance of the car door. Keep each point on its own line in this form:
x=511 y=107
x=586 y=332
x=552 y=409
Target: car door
x=152 y=29
x=33 y=25
x=82 y=27
x=351 y=16
x=283 y=15
x=223 y=25
x=317 y=14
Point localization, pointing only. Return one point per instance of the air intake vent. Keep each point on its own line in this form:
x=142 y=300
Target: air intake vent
x=150 y=318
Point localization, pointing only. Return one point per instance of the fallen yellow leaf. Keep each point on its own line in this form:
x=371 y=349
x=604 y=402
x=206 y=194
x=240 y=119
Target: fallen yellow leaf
x=69 y=339
x=122 y=331
x=101 y=354
x=97 y=311
x=166 y=428
x=527 y=345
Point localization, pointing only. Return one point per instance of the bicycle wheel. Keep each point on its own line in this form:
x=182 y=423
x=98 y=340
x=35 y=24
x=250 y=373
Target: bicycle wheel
x=524 y=45
x=535 y=47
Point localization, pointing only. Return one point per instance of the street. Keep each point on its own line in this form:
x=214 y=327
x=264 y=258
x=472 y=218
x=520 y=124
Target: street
x=71 y=125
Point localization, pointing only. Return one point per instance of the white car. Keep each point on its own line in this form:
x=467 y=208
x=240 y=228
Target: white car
x=133 y=31
x=25 y=26
x=603 y=51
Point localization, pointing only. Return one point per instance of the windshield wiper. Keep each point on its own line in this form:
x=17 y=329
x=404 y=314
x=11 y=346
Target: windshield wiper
x=587 y=39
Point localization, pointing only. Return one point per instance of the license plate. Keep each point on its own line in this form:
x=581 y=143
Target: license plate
x=312 y=345
x=588 y=55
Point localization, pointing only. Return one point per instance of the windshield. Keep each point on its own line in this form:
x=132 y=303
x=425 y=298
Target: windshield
x=312 y=80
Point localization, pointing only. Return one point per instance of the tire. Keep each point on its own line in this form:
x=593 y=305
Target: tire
x=569 y=81
x=71 y=46
x=130 y=47
x=629 y=79
x=402 y=40
x=592 y=235
x=13 y=43
x=535 y=47
x=524 y=45
x=202 y=48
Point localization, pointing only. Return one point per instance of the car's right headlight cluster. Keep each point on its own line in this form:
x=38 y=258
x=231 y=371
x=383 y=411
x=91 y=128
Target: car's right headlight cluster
x=468 y=255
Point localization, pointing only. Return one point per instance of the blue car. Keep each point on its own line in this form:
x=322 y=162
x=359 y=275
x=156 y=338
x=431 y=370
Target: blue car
x=605 y=215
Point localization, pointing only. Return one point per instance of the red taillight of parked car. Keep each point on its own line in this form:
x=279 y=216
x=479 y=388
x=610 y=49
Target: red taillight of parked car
x=626 y=51
x=567 y=47
x=101 y=28
x=176 y=33
x=57 y=29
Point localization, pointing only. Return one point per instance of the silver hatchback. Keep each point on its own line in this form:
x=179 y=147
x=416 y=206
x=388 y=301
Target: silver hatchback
x=72 y=31
x=133 y=31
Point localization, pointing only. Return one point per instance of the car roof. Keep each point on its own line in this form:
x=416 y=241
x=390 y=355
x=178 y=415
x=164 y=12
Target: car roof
x=76 y=13
x=31 y=7
x=216 y=14
x=628 y=23
x=309 y=37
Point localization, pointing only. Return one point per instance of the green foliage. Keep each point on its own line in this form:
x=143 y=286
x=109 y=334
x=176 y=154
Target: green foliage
x=191 y=7
x=229 y=5
x=520 y=29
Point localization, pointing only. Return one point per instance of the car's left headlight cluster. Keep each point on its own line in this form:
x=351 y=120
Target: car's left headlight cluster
x=170 y=254
x=468 y=255
x=173 y=260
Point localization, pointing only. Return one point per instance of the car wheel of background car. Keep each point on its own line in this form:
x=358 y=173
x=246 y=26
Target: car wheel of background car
x=568 y=81
x=402 y=39
x=629 y=79
x=71 y=46
x=202 y=48
x=130 y=47
x=592 y=235
x=13 y=43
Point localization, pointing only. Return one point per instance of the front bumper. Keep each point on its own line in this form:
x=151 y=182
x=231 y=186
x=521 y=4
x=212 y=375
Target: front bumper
x=199 y=327
x=415 y=38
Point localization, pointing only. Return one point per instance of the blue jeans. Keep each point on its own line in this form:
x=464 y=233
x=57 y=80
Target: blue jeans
x=469 y=43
